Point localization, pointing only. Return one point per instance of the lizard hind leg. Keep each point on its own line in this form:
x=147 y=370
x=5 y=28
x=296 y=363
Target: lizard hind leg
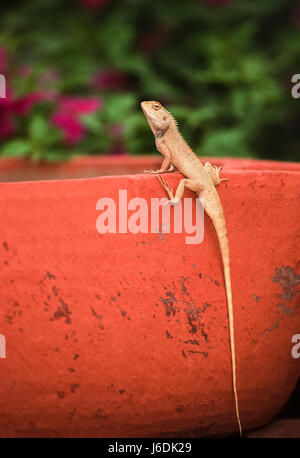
x=214 y=173
x=189 y=184
x=166 y=187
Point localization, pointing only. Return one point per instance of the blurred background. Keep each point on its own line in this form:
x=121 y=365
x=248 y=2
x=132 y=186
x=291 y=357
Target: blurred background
x=77 y=70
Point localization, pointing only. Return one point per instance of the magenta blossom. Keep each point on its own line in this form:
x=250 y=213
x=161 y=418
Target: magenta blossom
x=7 y=126
x=11 y=107
x=67 y=118
x=71 y=127
x=80 y=105
x=110 y=79
x=24 y=105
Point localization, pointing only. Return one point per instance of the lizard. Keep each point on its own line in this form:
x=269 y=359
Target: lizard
x=201 y=179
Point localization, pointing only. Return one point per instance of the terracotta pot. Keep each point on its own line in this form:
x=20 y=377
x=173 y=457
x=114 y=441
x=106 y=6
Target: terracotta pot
x=120 y=335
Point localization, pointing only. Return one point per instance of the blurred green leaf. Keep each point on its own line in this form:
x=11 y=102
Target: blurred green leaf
x=16 y=148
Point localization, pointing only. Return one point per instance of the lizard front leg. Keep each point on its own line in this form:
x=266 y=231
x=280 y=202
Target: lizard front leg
x=165 y=167
x=184 y=183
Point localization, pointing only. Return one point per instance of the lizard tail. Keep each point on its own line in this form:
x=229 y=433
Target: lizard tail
x=220 y=227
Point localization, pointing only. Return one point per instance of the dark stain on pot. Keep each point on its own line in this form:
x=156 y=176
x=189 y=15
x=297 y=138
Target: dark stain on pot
x=9 y=318
x=113 y=299
x=122 y=391
x=60 y=394
x=5 y=246
x=51 y=276
x=257 y=298
x=192 y=342
x=74 y=387
x=99 y=317
x=205 y=306
x=123 y=312
x=204 y=353
x=168 y=335
x=99 y=414
x=72 y=414
x=62 y=311
x=55 y=290
x=183 y=287
x=183 y=354
x=169 y=304
x=190 y=319
x=252 y=184
x=70 y=369
x=286 y=310
x=275 y=326
x=287 y=279
x=162 y=236
x=6 y=263
x=204 y=335
x=179 y=409
x=76 y=356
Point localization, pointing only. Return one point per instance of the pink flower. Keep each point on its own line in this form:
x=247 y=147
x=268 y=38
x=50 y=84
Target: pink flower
x=79 y=105
x=7 y=127
x=23 y=105
x=95 y=3
x=111 y=79
x=67 y=118
x=71 y=127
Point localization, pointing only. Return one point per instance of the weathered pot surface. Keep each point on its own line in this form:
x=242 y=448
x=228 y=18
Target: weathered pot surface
x=126 y=335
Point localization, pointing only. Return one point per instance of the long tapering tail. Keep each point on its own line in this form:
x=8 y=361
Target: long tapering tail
x=220 y=227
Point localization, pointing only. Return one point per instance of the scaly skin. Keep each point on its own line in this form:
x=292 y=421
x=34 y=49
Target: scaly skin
x=202 y=179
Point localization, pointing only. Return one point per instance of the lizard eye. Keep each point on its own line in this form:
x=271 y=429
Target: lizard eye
x=156 y=106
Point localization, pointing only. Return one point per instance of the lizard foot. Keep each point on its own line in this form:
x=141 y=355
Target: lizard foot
x=152 y=171
x=214 y=172
x=173 y=201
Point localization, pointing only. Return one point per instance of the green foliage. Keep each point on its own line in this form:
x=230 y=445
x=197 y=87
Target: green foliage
x=223 y=68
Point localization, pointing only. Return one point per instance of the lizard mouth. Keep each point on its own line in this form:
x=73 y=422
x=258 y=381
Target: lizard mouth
x=143 y=107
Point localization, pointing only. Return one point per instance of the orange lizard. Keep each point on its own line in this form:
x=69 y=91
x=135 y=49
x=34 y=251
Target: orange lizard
x=202 y=179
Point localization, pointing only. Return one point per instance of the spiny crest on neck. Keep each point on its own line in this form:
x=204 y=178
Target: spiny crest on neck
x=174 y=120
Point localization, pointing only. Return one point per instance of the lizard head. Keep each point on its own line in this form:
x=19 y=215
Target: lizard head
x=157 y=116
